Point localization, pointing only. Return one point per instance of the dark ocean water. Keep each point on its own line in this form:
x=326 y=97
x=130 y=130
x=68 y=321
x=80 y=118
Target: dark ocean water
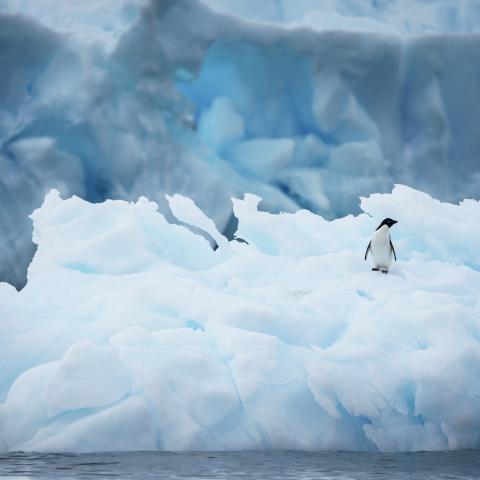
x=240 y=465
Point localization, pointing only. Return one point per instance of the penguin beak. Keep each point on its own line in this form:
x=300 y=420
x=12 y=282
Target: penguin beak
x=394 y=222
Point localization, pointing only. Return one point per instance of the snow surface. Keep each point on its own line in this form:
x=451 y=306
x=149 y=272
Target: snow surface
x=307 y=106
x=133 y=334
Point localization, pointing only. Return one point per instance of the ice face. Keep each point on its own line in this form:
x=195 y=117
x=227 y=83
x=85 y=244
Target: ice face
x=306 y=107
x=134 y=334
x=402 y=17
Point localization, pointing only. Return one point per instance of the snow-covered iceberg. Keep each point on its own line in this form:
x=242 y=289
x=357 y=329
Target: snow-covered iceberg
x=306 y=107
x=134 y=334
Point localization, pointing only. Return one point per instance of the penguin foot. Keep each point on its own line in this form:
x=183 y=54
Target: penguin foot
x=384 y=271
x=375 y=269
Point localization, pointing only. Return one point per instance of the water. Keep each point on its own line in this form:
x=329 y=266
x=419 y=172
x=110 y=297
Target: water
x=243 y=465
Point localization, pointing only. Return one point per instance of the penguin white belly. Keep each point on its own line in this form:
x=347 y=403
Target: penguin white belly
x=381 y=250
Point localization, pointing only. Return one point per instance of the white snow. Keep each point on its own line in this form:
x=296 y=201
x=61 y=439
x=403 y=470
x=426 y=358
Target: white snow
x=133 y=334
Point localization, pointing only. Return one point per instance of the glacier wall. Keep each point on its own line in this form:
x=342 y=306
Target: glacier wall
x=133 y=334
x=307 y=107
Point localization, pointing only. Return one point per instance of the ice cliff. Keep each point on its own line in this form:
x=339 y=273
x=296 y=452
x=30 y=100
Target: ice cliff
x=132 y=333
x=307 y=107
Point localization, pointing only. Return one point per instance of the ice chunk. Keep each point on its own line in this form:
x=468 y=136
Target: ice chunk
x=132 y=333
x=87 y=376
x=262 y=158
x=185 y=210
x=221 y=125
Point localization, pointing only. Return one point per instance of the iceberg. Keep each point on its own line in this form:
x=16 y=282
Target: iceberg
x=306 y=106
x=132 y=333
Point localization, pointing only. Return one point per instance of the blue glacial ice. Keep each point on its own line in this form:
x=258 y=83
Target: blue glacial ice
x=132 y=333
x=307 y=107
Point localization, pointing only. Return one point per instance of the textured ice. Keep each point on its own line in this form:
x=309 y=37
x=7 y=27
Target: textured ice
x=306 y=104
x=402 y=17
x=134 y=334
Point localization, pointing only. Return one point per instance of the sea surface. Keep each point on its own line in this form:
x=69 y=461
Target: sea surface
x=243 y=465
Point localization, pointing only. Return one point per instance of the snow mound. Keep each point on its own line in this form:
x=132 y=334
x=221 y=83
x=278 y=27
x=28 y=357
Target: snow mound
x=133 y=334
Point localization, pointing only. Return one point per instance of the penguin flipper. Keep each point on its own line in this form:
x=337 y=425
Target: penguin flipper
x=393 y=250
x=369 y=248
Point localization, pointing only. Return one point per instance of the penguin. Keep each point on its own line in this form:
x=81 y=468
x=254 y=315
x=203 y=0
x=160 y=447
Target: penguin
x=381 y=247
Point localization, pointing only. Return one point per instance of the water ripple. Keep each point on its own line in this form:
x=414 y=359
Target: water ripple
x=243 y=465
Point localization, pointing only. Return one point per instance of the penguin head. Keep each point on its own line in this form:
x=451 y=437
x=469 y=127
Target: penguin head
x=388 y=222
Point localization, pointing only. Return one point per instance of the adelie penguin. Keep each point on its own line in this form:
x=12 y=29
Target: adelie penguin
x=381 y=247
